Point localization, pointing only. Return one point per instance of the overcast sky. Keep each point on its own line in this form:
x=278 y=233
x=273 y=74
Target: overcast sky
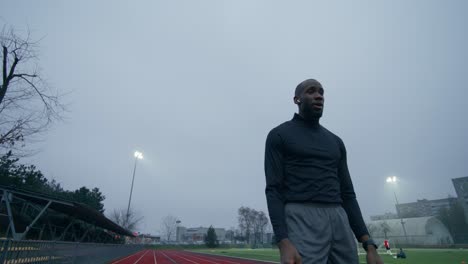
x=197 y=85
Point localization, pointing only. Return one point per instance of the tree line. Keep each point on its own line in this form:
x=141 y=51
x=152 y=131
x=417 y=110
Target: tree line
x=28 y=177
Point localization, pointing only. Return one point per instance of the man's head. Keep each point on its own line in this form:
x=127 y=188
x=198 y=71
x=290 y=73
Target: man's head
x=309 y=98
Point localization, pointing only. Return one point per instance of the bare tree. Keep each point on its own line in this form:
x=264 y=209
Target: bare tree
x=230 y=234
x=260 y=224
x=27 y=103
x=372 y=229
x=245 y=222
x=128 y=221
x=169 y=227
x=253 y=224
x=385 y=228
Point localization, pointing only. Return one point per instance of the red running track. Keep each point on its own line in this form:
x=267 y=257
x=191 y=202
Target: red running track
x=180 y=257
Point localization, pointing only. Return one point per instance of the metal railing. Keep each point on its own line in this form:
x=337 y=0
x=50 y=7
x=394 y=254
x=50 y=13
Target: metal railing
x=31 y=251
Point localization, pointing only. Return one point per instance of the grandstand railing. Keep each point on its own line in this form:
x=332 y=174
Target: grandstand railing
x=30 y=251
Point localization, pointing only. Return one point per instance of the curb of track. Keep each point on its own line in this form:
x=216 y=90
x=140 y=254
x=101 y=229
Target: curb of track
x=203 y=253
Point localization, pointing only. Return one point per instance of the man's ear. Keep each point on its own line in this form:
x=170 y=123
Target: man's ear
x=297 y=100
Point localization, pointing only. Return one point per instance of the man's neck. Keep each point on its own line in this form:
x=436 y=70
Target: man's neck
x=310 y=120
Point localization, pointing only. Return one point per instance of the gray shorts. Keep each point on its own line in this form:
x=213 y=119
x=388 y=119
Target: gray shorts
x=321 y=233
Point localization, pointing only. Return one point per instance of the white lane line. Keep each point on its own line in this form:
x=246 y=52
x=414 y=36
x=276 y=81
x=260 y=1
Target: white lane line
x=222 y=260
x=140 y=257
x=187 y=259
x=154 y=256
x=219 y=255
x=173 y=261
x=126 y=257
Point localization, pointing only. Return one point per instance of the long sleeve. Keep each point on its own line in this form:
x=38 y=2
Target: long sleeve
x=348 y=196
x=274 y=173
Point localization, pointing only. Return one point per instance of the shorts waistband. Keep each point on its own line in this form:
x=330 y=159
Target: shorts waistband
x=315 y=204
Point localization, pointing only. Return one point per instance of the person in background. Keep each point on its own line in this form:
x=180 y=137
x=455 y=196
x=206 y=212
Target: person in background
x=401 y=254
x=387 y=246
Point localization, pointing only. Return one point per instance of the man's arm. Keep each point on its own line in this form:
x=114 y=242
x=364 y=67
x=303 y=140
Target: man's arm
x=348 y=196
x=352 y=209
x=274 y=173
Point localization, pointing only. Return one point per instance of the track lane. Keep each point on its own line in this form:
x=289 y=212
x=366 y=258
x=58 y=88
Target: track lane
x=140 y=258
x=167 y=257
x=231 y=259
x=181 y=257
x=129 y=259
x=202 y=258
x=209 y=259
x=161 y=259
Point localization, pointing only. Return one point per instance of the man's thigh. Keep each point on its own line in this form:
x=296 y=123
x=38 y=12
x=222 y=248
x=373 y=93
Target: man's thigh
x=310 y=232
x=344 y=247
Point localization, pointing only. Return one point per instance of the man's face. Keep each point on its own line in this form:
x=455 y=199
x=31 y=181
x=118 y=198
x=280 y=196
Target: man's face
x=310 y=99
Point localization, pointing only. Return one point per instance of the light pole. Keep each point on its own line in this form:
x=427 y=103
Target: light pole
x=393 y=180
x=178 y=231
x=138 y=155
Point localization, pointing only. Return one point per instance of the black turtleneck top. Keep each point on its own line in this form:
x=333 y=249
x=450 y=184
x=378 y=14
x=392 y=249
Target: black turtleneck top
x=306 y=163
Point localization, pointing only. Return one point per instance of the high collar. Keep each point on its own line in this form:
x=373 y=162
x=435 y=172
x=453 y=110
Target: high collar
x=308 y=122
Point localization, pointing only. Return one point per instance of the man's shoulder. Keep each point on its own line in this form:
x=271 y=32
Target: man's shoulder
x=282 y=128
x=332 y=135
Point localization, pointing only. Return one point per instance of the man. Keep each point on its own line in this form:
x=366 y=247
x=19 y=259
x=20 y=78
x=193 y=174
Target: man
x=310 y=196
x=387 y=246
x=401 y=254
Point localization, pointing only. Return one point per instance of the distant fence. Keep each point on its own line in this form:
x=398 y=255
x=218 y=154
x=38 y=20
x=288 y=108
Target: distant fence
x=30 y=251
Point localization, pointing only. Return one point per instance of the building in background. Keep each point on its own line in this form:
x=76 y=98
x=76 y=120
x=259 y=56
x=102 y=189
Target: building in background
x=428 y=231
x=196 y=235
x=461 y=188
x=421 y=220
x=424 y=207
x=143 y=239
x=385 y=216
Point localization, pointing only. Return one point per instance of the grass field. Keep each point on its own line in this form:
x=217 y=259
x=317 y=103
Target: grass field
x=414 y=256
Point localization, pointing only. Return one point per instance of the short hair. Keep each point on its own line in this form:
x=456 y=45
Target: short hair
x=306 y=84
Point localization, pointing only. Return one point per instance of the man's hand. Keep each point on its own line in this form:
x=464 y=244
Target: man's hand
x=288 y=252
x=372 y=256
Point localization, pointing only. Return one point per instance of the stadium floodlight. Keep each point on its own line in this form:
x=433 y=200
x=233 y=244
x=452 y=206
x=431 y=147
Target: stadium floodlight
x=178 y=235
x=138 y=155
x=393 y=180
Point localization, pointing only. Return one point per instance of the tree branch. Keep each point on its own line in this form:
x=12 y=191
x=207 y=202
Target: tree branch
x=4 y=69
x=7 y=79
x=24 y=74
x=13 y=67
x=38 y=92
